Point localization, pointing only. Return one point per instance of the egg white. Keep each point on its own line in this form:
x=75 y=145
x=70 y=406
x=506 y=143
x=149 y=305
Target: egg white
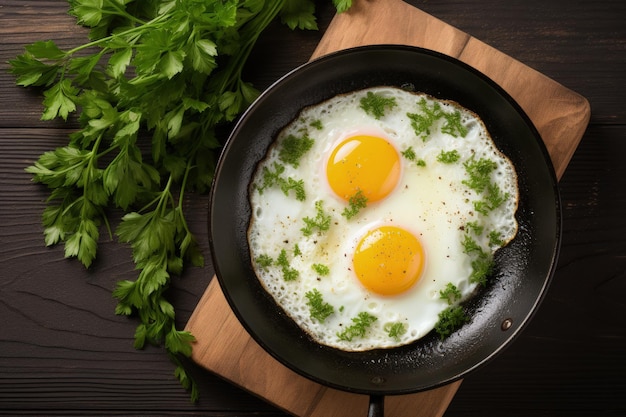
x=430 y=201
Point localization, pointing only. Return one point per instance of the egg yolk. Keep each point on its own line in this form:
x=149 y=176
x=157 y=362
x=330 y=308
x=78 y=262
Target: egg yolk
x=368 y=164
x=388 y=260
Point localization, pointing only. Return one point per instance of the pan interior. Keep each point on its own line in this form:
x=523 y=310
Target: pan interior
x=523 y=268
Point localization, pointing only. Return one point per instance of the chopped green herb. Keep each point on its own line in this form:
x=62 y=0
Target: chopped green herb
x=479 y=173
x=481 y=207
x=375 y=104
x=296 y=186
x=319 y=309
x=271 y=178
x=264 y=261
x=321 y=269
x=481 y=264
x=474 y=227
x=450 y=320
x=449 y=157
x=395 y=330
x=321 y=221
x=275 y=178
x=361 y=323
x=453 y=124
x=317 y=124
x=355 y=203
x=495 y=238
x=451 y=293
x=292 y=148
x=423 y=122
x=495 y=197
x=471 y=246
x=297 y=251
x=289 y=273
x=481 y=268
x=409 y=153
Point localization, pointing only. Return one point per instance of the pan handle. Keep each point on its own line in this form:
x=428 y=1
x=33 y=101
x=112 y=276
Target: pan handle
x=377 y=406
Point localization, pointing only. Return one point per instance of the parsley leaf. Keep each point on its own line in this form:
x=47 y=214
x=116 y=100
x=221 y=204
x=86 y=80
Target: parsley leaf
x=319 y=309
x=316 y=124
x=342 y=5
x=481 y=269
x=299 y=14
x=375 y=104
x=321 y=222
x=450 y=320
x=449 y=157
x=495 y=197
x=360 y=324
x=453 y=124
x=355 y=203
x=395 y=330
x=479 y=172
x=289 y=273
x=60 y=100
x=409 y=153
x=264 y=261
x=273 y=178
x=475 y=227
x=482 y=263
x=321 y=269
x=292 y=148
x=451 y=293
x=471 y=246
x=422 y=122
x=495 y=238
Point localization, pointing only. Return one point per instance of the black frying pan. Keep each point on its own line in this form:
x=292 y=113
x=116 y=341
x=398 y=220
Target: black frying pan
x=523 y=268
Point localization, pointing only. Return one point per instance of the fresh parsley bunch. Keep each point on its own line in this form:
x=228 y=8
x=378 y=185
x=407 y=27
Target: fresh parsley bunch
x=165 y=74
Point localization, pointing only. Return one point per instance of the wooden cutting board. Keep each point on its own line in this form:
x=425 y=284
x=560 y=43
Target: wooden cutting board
x=561 y=116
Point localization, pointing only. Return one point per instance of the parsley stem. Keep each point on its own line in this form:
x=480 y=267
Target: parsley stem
x=144 y=27
x=123 y=13
x=182 y=193
x=250 y=32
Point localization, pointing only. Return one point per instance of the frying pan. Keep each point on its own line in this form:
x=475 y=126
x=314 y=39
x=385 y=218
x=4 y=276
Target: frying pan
x=523 y=269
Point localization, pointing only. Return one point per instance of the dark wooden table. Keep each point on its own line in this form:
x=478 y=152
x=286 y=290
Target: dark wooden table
x=63 y=351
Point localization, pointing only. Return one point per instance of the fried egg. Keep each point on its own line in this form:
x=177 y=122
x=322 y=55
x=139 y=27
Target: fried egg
x=376 y=211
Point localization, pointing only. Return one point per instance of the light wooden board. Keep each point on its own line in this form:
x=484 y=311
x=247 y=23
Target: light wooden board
x=561 y=117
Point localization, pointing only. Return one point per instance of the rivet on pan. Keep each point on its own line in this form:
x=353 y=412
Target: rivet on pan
x=506 y=324
x=378 y=380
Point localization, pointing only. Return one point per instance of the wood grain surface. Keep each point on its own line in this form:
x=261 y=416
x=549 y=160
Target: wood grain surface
x=63 y=351
x=560 y=126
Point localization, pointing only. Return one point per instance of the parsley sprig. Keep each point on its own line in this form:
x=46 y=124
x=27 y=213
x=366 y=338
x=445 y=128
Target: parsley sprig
x=360 y=324
x=376 y=104
x=428 y=116
x=165 y=74
x=355 y=203
x=450 y=320
x=319 y=309
x=321 y=221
